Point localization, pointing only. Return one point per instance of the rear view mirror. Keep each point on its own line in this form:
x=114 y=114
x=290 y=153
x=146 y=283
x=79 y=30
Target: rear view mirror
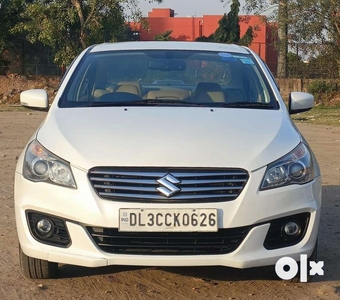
x=300 y=102
x=34 y=99
x=167 y=65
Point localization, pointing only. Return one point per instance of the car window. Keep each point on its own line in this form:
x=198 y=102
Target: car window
x=202 y=78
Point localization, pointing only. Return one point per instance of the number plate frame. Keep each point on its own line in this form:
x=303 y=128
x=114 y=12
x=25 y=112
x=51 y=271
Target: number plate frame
x=140 y=220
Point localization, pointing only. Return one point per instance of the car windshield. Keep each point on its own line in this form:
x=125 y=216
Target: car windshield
x=168 y=78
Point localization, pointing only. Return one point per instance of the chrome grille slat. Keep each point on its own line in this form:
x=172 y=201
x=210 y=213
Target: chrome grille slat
x=182 y=197
x=161 y=174
x=153 y=181
x=136 y=174
x=126 y=188
x=127 y=180
x=153 y=189
x=181 y=185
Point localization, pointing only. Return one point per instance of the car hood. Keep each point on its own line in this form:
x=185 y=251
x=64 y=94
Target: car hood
x=168 y=136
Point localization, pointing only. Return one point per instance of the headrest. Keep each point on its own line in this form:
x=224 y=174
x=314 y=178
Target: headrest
x=132 y=89
x=169 y=94
x=135 y=83
x=208 y=92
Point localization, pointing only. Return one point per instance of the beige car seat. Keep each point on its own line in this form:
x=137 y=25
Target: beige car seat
x=168 y=95
x=206 y=92
x=133 y=87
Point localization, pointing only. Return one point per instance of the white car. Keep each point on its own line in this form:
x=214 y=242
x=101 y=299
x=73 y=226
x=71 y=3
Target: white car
x=124 y=171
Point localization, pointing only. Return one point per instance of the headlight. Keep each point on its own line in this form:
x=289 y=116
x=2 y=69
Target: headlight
x=294 y=168
x=40 y=165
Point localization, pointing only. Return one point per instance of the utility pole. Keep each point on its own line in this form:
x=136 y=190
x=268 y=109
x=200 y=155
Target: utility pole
x=282 y=70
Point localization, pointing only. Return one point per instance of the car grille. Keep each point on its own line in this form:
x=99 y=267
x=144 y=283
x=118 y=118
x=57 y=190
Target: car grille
x=184 y=185
x=174 y=243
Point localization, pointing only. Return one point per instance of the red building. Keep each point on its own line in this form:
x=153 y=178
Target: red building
x=190 y=28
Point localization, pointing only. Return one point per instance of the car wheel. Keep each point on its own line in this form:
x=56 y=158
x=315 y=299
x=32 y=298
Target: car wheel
x=34 y=268
x=313 y=257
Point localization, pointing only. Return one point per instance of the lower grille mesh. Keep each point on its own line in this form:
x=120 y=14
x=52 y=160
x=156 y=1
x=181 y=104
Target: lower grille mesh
x=175 y=243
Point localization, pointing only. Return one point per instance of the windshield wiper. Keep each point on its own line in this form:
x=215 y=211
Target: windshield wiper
x=114 y=103
x=150 y=102
x=166 y=102
x=247 y=105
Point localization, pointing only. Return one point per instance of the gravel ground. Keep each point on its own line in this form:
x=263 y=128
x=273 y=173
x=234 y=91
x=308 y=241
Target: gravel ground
x=118 y=282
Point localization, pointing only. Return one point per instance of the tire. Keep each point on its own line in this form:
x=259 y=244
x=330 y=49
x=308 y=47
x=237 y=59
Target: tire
x=34 y=268
x=313 y=257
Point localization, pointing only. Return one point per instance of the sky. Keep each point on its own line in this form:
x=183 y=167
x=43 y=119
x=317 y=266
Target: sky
x=185 y=8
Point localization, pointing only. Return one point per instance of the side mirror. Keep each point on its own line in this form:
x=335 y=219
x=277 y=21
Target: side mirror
x=300 y=102
x=34 y=99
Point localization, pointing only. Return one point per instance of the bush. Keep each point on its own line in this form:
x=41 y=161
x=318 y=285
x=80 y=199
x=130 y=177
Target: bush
x=322 y=90
x=317 y=87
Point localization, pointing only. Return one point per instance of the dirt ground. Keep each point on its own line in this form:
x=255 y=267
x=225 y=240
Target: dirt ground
x=167 y=283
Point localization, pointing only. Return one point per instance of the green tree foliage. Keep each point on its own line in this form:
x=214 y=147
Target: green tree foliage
x=319 y=87
x=68 y=26
x=165 y=36
x=228 y=30
x=233 y=22
x=225 y=32
x=316 y=28
x=9 y=15
x=314 y=25
x=282 y=17
x=247 y=39
x=204 y=38
x=295 y=65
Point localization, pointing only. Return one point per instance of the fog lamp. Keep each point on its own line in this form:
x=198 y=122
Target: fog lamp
x=44 y=227
x=292 y=229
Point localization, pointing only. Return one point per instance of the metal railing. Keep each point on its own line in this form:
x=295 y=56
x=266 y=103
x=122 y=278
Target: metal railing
x=30 y=69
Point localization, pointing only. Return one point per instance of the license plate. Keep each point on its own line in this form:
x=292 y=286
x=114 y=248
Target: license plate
x=168 y=220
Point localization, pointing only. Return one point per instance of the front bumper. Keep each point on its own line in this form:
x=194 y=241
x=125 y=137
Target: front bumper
x=82 y=207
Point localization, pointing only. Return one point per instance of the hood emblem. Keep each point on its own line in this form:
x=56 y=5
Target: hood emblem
x=168 y=187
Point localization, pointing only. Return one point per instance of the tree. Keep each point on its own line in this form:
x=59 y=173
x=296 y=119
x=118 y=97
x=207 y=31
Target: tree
x=9 y=15
x=228 y=30
x=295 y=65
x=68 y=26
x=204 y=38
x=317 y=28
x=165 y=36
x=314 y=25
x=283 y=19
x=259 y=6
x=247 y=39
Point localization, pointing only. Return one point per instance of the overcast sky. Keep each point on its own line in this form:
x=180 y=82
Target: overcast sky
x=189 y=7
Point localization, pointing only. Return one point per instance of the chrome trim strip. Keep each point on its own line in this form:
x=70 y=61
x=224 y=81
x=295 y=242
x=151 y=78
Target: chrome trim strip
x=175 y=174
x=181 y=197
x=154 y=189
x=154 y=181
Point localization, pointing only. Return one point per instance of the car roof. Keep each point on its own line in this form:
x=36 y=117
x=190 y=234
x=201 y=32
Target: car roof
x=169 y=45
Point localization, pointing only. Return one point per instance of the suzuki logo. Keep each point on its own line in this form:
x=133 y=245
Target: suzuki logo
x=168 y=187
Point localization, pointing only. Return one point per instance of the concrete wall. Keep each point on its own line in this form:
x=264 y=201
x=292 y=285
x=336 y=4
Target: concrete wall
x=301 y=85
